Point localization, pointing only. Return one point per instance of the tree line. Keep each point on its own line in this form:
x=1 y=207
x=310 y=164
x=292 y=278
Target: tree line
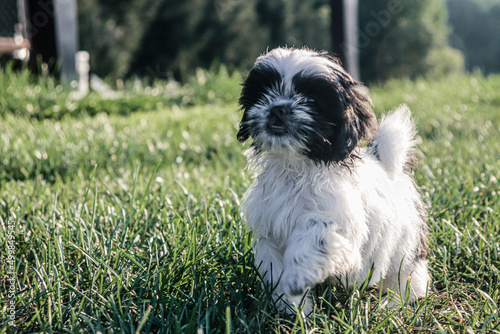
x=170 y=38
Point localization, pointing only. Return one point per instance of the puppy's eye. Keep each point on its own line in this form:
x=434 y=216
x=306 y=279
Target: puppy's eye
x=310 y=100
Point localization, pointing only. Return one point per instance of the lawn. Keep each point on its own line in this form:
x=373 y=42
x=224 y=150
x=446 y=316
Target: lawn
x=126 y=214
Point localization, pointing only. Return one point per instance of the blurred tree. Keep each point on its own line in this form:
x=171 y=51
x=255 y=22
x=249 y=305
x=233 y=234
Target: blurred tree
x=309 y=24
x=172 y=41
x=111 y=31
x=272 y=14
x=405 y=38
x=170 y=38
x=226 y=31
x=476 y=25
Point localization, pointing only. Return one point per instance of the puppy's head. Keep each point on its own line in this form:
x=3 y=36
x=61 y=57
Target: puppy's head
x=303 y=102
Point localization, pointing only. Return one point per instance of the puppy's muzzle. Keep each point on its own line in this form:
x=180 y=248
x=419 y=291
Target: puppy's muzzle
x=277 y=119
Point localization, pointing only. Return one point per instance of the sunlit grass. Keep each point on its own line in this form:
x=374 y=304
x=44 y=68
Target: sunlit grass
x=131 y=223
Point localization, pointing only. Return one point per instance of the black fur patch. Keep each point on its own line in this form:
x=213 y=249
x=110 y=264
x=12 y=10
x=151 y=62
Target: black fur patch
x=342 y=115
x=260 y=79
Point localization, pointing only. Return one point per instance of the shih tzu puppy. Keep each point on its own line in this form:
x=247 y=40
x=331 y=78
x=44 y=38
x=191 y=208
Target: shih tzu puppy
x=333 y=195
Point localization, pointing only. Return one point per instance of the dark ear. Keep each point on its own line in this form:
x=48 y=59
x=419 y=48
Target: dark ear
x=361 y=120
x=258 y=81
x=247 y=98
x=244 y=131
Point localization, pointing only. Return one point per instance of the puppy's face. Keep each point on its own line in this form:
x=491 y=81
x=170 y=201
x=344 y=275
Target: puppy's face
x=303 y=102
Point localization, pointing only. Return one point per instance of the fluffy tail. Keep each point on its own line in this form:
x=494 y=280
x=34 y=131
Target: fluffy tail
x=394 y=145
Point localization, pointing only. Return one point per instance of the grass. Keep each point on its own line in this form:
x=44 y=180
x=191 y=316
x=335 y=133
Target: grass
x=43 y=97
x=130 y=223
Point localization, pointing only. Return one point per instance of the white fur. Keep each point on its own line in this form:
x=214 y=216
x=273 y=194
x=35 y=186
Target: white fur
x=282 y=60
x=289 y=62
x=312 y=221
x=396 y=140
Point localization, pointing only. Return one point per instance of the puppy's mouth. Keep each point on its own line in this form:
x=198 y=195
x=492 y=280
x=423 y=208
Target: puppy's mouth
x=276 y=122
x=276 y=126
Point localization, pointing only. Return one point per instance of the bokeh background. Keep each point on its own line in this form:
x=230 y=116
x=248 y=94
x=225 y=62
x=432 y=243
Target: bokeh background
x=171 y=37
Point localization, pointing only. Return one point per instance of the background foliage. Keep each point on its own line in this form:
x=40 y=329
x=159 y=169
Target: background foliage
x=405 y=38
x=169 y=38
x=475 y=26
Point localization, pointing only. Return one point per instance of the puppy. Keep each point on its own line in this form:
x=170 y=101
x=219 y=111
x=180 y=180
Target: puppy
x=323 y=205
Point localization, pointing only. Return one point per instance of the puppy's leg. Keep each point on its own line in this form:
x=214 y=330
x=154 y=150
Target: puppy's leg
x=414 y=279
x=269 y=260
x=420 y=279
x=314 y=252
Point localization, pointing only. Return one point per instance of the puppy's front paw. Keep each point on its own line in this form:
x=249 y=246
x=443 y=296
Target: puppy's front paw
x=294 y=284
x=289 y=305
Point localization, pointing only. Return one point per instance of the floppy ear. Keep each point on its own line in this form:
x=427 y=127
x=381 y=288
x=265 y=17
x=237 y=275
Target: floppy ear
x=246 y=100
x=260 y=78
x=353 y=117
x=244 y=131
x=361 y=122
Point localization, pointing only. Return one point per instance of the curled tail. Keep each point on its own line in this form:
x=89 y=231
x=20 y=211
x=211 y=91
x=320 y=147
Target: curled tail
x=395 y=142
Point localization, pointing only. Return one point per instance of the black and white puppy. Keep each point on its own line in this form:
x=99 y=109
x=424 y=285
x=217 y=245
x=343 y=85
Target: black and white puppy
x=322 y=205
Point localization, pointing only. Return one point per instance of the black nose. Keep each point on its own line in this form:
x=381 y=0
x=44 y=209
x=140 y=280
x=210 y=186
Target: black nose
x=279 y=111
